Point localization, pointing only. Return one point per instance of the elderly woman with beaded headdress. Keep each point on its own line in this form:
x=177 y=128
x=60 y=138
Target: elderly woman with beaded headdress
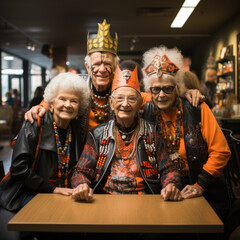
x=57 y=146
x=125 y=155
x=194 y=141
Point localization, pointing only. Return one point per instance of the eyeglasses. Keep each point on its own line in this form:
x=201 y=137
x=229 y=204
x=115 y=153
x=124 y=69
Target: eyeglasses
x=121 y=99
x=165 y=89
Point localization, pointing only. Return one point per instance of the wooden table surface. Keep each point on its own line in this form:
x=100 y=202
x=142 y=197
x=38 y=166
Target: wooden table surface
x=116 y=213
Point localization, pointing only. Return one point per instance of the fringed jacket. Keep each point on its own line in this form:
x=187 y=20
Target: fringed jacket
x=156 y=174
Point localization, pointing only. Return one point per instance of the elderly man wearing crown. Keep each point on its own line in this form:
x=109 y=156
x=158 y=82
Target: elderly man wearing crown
x=100 y=63
x=125 y=155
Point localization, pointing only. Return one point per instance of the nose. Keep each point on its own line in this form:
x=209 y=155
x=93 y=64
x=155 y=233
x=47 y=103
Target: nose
x=67 y=103
x=125 y=102
x=102 y=68
x=161 y=93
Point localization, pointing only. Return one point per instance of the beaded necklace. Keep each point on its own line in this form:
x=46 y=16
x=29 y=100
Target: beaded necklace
x=126 y=133
x=149 y=145
x=63 y=156
x=122 y=149
x=100 y=111
x=104 y=148
x=172 y=142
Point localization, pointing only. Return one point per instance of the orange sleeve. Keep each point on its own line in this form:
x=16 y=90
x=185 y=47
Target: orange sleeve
x=146 y=98
x=218 y=150
x=44 y=104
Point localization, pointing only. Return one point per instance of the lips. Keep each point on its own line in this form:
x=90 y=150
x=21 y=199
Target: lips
x=101 y=76
x=124 y=110
x=163 y=101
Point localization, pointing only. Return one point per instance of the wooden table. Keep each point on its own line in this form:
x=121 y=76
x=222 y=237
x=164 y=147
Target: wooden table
x=116 y=213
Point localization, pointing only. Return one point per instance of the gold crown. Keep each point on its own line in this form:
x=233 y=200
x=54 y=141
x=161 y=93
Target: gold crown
x=103 y=42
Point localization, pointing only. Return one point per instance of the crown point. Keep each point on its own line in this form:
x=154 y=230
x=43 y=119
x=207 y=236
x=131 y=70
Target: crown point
x=103 y=35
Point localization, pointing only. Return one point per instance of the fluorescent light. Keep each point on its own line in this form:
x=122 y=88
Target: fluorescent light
x=190 y=3
x=12 y=71
x=8 y=58
x=184 y=13
x=181 y=17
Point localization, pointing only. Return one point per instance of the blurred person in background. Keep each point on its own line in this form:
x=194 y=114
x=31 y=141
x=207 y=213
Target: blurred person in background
x=209 y=87
x=38 y=97
x=10 y=100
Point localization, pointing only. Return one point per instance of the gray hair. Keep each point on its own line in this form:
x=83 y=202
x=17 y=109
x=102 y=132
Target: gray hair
x=173 y=54
x=116 y=60
x=68 y=81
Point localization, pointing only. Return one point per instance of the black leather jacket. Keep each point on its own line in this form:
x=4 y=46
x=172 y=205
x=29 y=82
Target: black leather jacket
x=36 y=181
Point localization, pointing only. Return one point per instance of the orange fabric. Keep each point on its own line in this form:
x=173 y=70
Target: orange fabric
x=218 y=150
x=44 y=104
x=146 y=98
x=120 y=80
x=92 y=121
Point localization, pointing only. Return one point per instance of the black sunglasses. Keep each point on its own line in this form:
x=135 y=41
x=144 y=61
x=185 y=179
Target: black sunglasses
x=165 y=89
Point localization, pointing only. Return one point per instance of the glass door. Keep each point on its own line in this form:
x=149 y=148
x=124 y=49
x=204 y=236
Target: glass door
x=16 y=85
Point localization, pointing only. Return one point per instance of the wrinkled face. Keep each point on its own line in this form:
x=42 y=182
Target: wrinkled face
x=125 y=103
x=163 y=100
x=65 y=105
x=101 y=70
x=211 y=75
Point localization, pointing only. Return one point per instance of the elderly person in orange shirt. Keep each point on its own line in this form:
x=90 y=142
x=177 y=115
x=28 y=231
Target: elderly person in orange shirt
x=125 y=155
x=194 y=141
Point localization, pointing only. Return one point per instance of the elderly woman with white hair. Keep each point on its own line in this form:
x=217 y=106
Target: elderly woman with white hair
x=58 y=148
x=194 y=141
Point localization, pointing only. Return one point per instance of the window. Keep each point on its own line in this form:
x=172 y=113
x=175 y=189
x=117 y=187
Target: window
x=35 y=78
x=12 y=74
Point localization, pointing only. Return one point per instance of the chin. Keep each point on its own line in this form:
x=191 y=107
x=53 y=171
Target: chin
x=163 y=106
x=67 y=117
x=103 y=83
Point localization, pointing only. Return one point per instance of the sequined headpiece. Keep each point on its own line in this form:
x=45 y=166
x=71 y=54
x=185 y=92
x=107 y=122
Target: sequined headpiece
x=103 y=42
x=161 y=65
x=125 y=78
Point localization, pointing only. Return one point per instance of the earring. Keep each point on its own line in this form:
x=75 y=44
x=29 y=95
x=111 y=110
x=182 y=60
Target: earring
x=76 y=117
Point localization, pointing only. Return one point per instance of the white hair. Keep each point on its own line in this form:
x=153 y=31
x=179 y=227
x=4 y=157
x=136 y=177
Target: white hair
x=116 y=60
x=174 y=56
x=68 y=81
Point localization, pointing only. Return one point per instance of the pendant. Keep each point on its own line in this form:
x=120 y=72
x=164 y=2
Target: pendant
x=118 y=156
x=174 y=156
x=124 y=137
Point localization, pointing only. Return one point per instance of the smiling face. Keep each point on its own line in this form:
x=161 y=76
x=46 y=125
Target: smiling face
x=125 y=103
x=101 y=70
x=164 y=101
x=65 y=107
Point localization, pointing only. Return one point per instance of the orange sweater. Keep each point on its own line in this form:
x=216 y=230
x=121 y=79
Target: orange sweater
x=218 y=150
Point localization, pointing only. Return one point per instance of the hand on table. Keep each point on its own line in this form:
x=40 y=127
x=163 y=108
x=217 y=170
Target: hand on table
x=63 y=191
x=191 y=191
x=82 y=192
x=33 y=113
x=171 y=192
